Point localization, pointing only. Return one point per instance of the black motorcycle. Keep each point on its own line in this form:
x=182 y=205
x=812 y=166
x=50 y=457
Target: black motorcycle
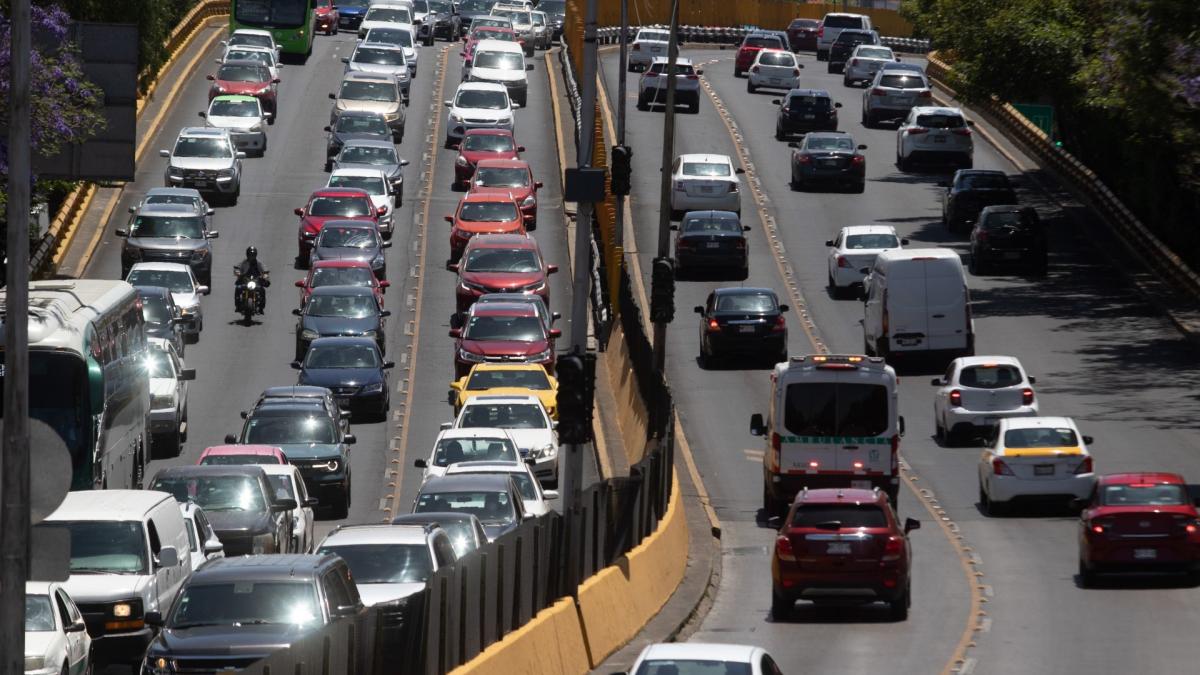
x=249 y=291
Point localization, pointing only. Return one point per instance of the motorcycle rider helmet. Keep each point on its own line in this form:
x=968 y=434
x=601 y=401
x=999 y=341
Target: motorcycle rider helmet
x=251 y=253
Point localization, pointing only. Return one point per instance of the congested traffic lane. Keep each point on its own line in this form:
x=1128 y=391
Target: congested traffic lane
x=1100 y=354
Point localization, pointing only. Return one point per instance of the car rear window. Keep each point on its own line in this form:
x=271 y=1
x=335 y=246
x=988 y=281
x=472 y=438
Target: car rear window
x=1023 y=220
x=680 y=69
x=990 y=376
x=941 y=121
x=871 y=241
x=705 y=169
x=902 y=81
x=848 y=37
x=806 y=102
x=875 y=53
x=777 y=59
x=803 y=23
x=1041 y=437
x=834 y=21
x=849 y=515
x=1144 y=494
x=984 y=181
x=692 y=666
x=764 y=42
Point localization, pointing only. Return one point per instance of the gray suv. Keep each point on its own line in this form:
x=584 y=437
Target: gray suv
x=176 y=233
x=205 y=159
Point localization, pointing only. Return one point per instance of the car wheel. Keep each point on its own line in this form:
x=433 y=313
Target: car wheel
x=822 y=55
x=750 y=88
x=939 y=432
x=694 y=107
x=831 y=68
x=779 y=135
x=781 y=606
x=860 y=187
x=1087 y=576
x=845 y=81
x=991 y=507
x=737 y=72
x=898 y=608
x=903 y=163
x=834 y=291
x=642 y=102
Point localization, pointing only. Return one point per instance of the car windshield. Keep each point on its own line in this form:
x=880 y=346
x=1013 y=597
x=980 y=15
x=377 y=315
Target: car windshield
x=941 y=121
x=516 y=16
x=379 y=57
x=489 y=143
x=180 y=227
x=362 y=124
x=875 y=53
x=158 y=363
x=239 y=460
x=348 y=306
x=234 y=108
x=836 y=409
x=503 y=416
x=499 y=60
x=481 y=99
x=508 y=328
x=501 y=177
x=825 y=143
x=692 y=667
x=493 y=21
x=1144 y=494
x=774 y=58
x=653 y=36
x=763 y=42
x=502 y=260
x=39 y=615
x=341 y=356
x=553 y=6
x=912 y=81
x=347 y=237
x=340 y=206
x=367 y=154
x=385 y=563
x=703 y=225
x=1041 y=437
x=983 y=181
x=524 y=379
x=388 y=15
x=990 y=376
x=177 y=281
x=372 y=185
x=454 y=450
x=871 y=241
x=491 y=508
x=746 y=302
x=105 y=547
x=243 y=73
x=279 y=430
x=706 y=169
x=390 y=36
x=848 y=515
x=265 y=58
x=241 y=603
x=359 y=90
x=341 y=276
x=155 y=309
x=211 y=148
x=487 y=212
x=215 y=493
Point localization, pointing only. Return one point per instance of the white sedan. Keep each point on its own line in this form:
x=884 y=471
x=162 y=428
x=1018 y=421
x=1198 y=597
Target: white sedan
x=56 y=638
x=700 y=657
x=527 y=423
x=204 y=543
x=976 y=392
x=647 y=44
x=1034 y=457
x=702 y=182
x=168 y=396
x=853 y=250
x=289 y=484
x=536 y=500
x=478 y=105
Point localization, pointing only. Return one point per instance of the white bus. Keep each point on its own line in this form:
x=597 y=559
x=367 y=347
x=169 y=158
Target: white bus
x=833 y=421
x=88 y=379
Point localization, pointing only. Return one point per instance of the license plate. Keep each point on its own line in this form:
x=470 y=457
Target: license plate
x=860 y=484
x=1145 y=553
x=908 y=342
x=713 y=244
x=838 y=548
x=939 y=139
x=706 y=189
x=1012 y=255
x=745 y=329
x=775 y=80
x=829 y=162
x=1043 y=470
x=810 y=117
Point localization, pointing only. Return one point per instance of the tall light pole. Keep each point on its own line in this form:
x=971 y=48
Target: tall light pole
x=619 y=235
x=664 y=206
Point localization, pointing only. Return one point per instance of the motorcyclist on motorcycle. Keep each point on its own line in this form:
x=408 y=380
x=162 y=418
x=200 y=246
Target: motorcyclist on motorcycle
x=247 y=270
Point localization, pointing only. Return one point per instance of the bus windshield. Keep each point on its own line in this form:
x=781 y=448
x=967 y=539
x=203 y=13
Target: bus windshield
x=836 y=409
x=58 y=396
x=279 y=13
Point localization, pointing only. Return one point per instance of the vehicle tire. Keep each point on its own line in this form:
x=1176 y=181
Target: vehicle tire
x=867 y=348
x=822 y=55
x=642 y=102
x=991 y=507
x=779 y=135
x=342 y=508
x=183 y=435
x=781 y=357
x=781 y=606
x=846 y=81
x=1087 y=577
x=898 y=608
x=881 y=348
x=860 y=187
x=834 y=291
x=1042 y=268
x=328 y=165
x=737 y=72
x=744 y=273
x=865 y=118
x=750 y=88
x=694 y=107
x=449 y=144
x=939 y=432
x=831 y=68
x=903 y=163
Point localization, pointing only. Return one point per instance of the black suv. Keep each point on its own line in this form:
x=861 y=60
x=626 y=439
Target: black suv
x=970 y=191
x=805 y=110
x=844 y=45
x=235 y=611
x=1009 y=235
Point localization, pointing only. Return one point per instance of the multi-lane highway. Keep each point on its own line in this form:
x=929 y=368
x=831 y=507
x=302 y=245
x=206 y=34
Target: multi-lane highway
x=1100 y=354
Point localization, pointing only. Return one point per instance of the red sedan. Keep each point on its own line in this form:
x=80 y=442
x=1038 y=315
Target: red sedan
x=479 y=144
x=327 y=16
x=1139 y=522
x=341 y=273
x=509 y=332
x=751 y=45
x=501 y=263
x=483 y=214
x=332 y=204
x=247 y=78
x=802 y=34
x=488 y=33
x=510 y=177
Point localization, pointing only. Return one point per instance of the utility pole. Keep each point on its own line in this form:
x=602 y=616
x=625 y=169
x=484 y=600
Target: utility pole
x=619 y=235
x=14 y=460
x=664 y=207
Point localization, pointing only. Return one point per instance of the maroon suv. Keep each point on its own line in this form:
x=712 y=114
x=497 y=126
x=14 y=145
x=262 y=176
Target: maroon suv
x=503 y=332
x=843 y=543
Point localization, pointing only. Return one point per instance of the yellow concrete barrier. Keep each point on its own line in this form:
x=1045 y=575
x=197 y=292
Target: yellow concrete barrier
x=550 y=644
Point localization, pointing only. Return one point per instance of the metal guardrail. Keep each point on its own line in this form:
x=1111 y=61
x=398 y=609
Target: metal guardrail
x=731 y=35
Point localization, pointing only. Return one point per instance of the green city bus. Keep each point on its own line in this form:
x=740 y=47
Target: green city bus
x=88 y=379
x=290 y=21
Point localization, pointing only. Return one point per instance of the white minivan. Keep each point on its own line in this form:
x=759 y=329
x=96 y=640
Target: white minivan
x=129 y=556
x=916 y=301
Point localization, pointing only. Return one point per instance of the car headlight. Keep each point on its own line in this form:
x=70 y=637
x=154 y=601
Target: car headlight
x=199 y=254
x=461 y=161
x=329 y=467
x=392 y=117
x=133 y=252
x=370 y=333
x=529 y=201
x=157 y=666
x=455 y=117
x=257 y=126
x=309 y=334
x=534 y=288
x=158 y=401
x=471 y=356
x=540 y=356
x=376 y=388
x=262 y=542
x=473 y=287
x=35 y=662
x=548 y=451
x=225 y=173
x=377 y=262
x=175 y=173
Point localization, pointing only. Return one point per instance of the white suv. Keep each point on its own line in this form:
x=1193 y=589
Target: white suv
x=976 y=392
x=936 y=135
x=646 y=45
x=526 y=422
x=652 y=85
x=390 y=562
x=478 y=105
x=892 y=92
x=207 y=159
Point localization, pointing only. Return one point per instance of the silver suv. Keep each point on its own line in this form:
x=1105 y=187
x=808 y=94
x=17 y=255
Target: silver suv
x=389 y=562
x=652 y=86
x=205 y=159
x=893 y=92
x=169 y=233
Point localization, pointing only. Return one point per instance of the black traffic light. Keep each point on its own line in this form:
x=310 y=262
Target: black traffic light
x=662 y=291
x=622 y=169
x=576 y=375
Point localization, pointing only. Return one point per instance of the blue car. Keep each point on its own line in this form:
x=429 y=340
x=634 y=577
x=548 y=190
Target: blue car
x=352 y=368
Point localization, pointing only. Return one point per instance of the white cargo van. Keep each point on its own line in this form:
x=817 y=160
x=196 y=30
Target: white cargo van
x=917 y=301
x=129 y=556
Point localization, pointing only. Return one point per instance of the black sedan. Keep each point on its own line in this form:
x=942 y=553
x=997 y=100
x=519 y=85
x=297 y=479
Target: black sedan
x=742 y=322
x=1008 y=235
x=711 y=239
x=805 y=110
x=970 y=191
x=354 y=125
x=340 y=311
x=352 y=368
x=828 y=157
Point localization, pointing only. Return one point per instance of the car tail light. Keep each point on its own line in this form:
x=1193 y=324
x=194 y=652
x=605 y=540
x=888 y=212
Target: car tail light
x=740 y=243
x=733 y=187
x=1084 y=467
x=842 y=262
x=858 y=159
x=893 y=548
x=961 y=132
x=878 y=92
x=637 y=47
x=925 y=93
x=999 y=468
x=682 y=243
x=754 y=69
x=714 y=326
x=796 y=72
x=679 y=185
x=854 y=62
x=1192 y=527
x=780 y=324
x=804 y=159
x=820 y=31
x=776 y=447
x=814 y=464
x=913 y=131
x=783 y=549
x=1027 y=396
x=1099 y=527
x=956 y=398
x=981 y=235
x=693 y=77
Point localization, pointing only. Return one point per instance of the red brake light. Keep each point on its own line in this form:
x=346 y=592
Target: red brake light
x=917 y=130
x=961 y=132
x=955 y=398
x=925 y=93
x=804 y=159
x=776 y=447
x=754 y=69
x=1084 y=467
x=999 y=468
x=1027 y=396
x=637 y=47
x=780 y=324
x=854 y=62
x=858 y=159
x=783 y=549
x=893 y=548
x=1099 y=529
x=693 y=77
x=878 y=92
x=796 y=72
x=843 y=262
x=713 y=326
x=821 y=31
x=1191 y=528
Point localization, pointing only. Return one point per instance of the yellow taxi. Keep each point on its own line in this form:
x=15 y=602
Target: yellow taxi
x=507 y=379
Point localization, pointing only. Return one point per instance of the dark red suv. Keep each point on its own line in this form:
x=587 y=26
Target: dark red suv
x=842 y=543
x=504 y=332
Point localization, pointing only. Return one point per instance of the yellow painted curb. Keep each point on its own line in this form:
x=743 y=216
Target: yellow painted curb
x=550 y=644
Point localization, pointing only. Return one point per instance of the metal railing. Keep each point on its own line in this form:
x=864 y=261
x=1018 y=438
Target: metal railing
x=732 y=35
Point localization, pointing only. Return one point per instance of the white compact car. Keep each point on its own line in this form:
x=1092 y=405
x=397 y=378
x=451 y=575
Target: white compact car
x=536 y=500
x=1034 y=457
x=865 y=61
x=855 y=249
x=185 y=290
x=473 y=444
x=704 y=182
x=385 y=15
x=699 y=657
x=773 y=69
x=652 y=85
x=977 y=392
x=203 y=539
x=935 y=135
x=375 y=183
x=168 y=397
x=286 y=479
x=389 y=562
x=56 y=638
x=526 y=422
x=478 y=105
x=245 y=120
x=647 y=44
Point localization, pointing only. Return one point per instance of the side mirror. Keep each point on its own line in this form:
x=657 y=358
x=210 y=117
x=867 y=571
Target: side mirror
x=550 y=494
x=554 y=316
x=538 y=185
x=829 y=242
x=837 y=105
x=777 y=101
x=864 y=270
x=555 y=332
x=121 y=233
x=133 y=209
x=388 y=365
x=349 y=439
x=345 y=59
x=332 y=96
x=212 y=234
x=446 y=103
x=152 y=619
x=210 y=211
x=420 y=463
x=1088 y=440
x=800 y=65
x=404 y=162
x=241 y=155
x=77 y=627
x=187 y=374
x=385 y=313
x=311 y=502
x=456 y=332
x=244 y=414
x=1080 y=503
x=674 y=226
x=210 y=78
x=230 y=439
x=911 y=524
x=383 y=285
x=163 y=153
x=328 y=129
x=904 y=242
x=452 y=267
x=514 y=106
x=203 y=290
x=783 y=308
x=793 y=144
x=699 y=309
x=299 y=283
x=445 y=425
x=900 y=424
x=203 y=114
x=528 y=66
x=1032 y=379
x=346 y=610
x=448 y=219
x=862 y=147
x=296 y=312
x=295 y=365
x=936 y=382
x=970 y=123
x=551 y=269
x=757 y=426
x=299 y=210
x=520 y=148
x=168 y=557
x=700 y=71
x=268 y=115
x=739 y=170
x=284 y=504
x=381 y=211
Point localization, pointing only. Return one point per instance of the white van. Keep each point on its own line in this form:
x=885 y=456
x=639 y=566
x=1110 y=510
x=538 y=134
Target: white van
x=917 y=301
x=500 y=62
x=129 y=556
x=832 y=26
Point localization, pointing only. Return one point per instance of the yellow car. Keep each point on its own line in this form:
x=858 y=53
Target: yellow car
x=507 y=379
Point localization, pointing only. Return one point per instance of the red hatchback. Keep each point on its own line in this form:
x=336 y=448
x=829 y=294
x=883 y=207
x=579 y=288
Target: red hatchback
x=326 y=16
x=332 y=204
x=483 y=214
x=511 y=177
x=479 y=144
x=341 y=273
x=504 y=332
x=844 y=544
x=802 y=34
x=246 y=78
x=1139 y=522
x=501 y=263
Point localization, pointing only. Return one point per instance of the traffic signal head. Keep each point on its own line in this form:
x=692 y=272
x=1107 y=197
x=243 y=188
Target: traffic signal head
x=576 y=386
x=662 y=291
x=621 y=168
